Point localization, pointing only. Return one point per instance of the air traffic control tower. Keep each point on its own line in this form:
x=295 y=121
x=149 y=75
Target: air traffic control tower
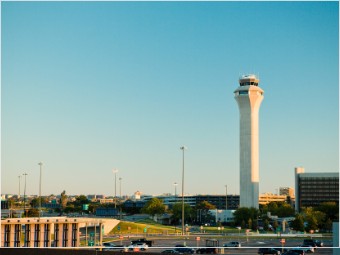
x=249 y=97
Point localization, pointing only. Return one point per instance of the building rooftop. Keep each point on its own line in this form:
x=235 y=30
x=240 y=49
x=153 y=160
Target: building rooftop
x=334 y=174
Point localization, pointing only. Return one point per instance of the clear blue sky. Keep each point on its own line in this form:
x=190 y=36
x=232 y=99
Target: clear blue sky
x=92 y=86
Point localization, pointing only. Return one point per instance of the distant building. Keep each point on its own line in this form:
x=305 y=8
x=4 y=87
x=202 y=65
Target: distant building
x=312 y=189
x=286 y=191
x=266 y=198
x=106 y=201
x=4 y=204
x=107 y=212
x=223 y=216
x=137 y=195
x=219 y=201
x=94 y=197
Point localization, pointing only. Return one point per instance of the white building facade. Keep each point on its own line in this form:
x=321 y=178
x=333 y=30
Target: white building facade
x=249 y=97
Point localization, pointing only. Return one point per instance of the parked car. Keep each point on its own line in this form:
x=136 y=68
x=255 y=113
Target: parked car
x=290 y=253
x=142 y=240
x=318 y=243
x=170 y=251
x=263 y=251
x=232 y=244
x=298 y=251
x=108 y=246
x=138 y=246
x=313 y=243
x=184 y=249
x=307 y=248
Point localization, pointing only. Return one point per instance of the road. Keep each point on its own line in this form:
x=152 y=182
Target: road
x=247 y=247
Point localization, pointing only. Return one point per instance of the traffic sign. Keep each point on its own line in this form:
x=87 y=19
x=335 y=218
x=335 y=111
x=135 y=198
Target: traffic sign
x=198 y=238
x=282 y=240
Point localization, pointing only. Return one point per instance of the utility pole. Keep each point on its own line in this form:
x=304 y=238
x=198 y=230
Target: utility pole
x=183 y=148
x=25 y=214
x=40 y=164
x=226 y=197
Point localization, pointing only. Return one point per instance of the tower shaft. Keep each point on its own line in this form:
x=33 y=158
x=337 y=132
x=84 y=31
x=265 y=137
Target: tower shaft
x=249 y=97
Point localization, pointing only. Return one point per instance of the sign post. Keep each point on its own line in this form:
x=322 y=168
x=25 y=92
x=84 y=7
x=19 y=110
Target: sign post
x=197 y=241
x=282 y=241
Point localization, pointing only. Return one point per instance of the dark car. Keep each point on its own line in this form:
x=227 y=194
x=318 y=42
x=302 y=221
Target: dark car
x=313 y=243
x=112 y=246
x=142 y=240
x=183 y=249
x=299 y=251
x=170 y=252
x=263 y=251
x=207 y=250
x=290 y=253
x=232 y=244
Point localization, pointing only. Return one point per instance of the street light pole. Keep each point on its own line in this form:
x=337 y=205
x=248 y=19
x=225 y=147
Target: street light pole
x=40 y=164
x=226 y=197
x=115 y=171
x=19 y=187
x=120 y=197
x=120 y=187
x=25 y=174
x=183 y=148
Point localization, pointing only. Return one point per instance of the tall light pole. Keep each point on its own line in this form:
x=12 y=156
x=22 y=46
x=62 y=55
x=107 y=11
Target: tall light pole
x=40 y=164
x=183 y=148
x=19 y=186
x=115 y=171
x=25 y=174
x=226 y=197
x=120 y=197
x=120 y=187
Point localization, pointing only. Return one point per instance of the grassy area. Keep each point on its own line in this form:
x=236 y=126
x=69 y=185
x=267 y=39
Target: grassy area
x=152 y=227
x=145 y=226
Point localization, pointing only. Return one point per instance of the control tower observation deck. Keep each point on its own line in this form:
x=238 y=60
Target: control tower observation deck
x=249 y=97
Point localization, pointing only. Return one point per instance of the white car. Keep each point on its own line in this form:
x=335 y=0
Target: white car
x=138 y=246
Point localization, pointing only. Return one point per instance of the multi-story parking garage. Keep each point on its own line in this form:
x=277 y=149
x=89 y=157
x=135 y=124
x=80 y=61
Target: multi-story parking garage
x=51 y=232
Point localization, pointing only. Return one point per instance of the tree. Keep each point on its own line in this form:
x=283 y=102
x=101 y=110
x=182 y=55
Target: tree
x=63 y=200
x=202 y=211
x=298 y=223
x=205 y=205
x=154 y=206
x=285 y=210
x=250 y=223
x=331 y=209
x=35 y=201
x=33 y=212
x=312 y=223
x=265 y=224
x=177 y=213
x=244 y=214
x=275 y=225
x=328 y=225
